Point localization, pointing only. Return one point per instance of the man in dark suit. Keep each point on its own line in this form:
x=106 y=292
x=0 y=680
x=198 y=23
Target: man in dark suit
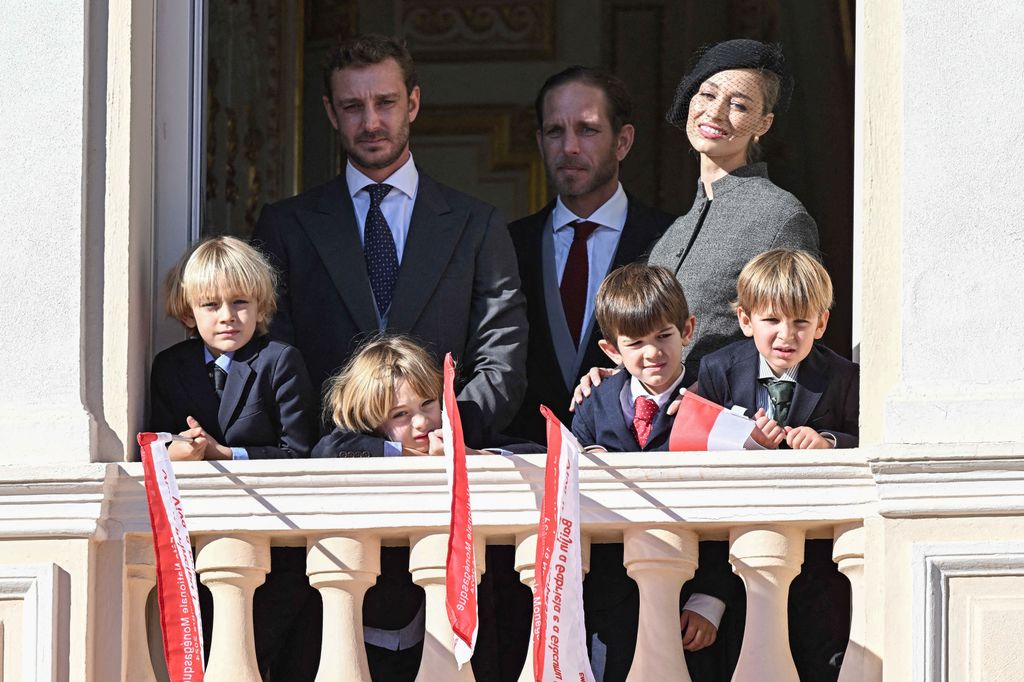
x=385 y=248
x=566 y=249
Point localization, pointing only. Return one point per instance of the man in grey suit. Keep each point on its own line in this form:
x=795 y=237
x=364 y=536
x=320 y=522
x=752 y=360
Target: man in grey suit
x=384 y=247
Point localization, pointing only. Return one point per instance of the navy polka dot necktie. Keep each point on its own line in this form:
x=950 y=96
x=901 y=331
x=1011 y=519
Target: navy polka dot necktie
x=379 y=250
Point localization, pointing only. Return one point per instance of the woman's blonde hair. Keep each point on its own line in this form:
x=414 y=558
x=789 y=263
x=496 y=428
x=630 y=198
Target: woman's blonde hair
x=786 y=281
x=360 y=397
x=220 y=263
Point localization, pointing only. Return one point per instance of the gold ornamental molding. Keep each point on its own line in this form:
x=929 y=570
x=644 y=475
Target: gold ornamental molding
x=504 y=127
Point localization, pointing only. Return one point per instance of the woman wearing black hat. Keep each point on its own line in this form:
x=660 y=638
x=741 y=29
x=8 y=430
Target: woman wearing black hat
x=726 y=102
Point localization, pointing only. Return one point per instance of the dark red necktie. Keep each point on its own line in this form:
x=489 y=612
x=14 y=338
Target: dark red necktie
x=644 y=410
x=575 y=279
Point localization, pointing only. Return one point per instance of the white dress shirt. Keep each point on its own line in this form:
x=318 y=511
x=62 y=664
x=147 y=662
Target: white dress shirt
x=396 y=206
x=601 y=247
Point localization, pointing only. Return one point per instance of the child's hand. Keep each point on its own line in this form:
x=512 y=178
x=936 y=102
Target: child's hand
x=768 y=433
x=214 y=450
x=806 y=438
x=436 y=439
x=182 y=451
x=697 y=631
x=588 y=382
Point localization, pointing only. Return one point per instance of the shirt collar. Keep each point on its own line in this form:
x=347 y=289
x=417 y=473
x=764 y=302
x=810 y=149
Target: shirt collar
x=405 y=179
x=764 y=371
x=223 y=360
x=636 y=389
x=611 y=213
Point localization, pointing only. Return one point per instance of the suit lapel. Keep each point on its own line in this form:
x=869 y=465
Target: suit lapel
x=434 y=231
x=198 y=386
x=811 y=382
x=237 y=387
x=333 y=231
x=611 y=409
x=743 y=379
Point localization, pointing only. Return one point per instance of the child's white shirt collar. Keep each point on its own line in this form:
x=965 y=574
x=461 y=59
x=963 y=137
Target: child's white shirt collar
x=633 y=389
x=764 y=371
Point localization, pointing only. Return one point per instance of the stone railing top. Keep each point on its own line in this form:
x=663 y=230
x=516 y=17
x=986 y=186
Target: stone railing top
x=392 y=496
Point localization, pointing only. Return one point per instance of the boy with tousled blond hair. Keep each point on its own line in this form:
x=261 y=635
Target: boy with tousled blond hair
x=802 y=394
x=231 y=389
x=237 y=395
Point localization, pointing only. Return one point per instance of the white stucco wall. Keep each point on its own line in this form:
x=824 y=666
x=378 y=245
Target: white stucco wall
x=42 y=151
x=963 y=224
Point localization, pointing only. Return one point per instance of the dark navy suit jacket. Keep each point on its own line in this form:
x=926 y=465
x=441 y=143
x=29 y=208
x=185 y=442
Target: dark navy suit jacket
x=826 y=396
x=599 y=420
x=268 y=406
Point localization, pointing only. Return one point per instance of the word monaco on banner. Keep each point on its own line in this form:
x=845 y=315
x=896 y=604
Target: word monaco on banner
x=559 y=634
x=460 y=566
x=175 y=572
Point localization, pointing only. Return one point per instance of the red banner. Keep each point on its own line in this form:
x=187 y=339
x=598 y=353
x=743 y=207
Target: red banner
x=175 y=572
x=460 y=567
x=559 y=633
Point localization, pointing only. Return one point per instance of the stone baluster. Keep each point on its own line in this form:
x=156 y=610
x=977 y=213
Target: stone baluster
x=427 y=556
x=342 y=568
x=660 y=560
x=848 y=552
x=526 y=566
x=767 y=558
x=140 y=578
x=233 y=566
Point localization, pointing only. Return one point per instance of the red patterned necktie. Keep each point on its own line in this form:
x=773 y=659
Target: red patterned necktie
x=575 y=278
x=644 y=410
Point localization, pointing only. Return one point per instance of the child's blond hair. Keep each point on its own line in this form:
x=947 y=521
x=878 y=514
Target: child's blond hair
x=221 y=263
x=638 y=299
x=787 y=282
x=360 y=397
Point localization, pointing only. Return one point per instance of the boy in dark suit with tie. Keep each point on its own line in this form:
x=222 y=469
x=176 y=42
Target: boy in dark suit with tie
x=645 y=323
x=801 y=394
x=231 y=389
x=237 y=395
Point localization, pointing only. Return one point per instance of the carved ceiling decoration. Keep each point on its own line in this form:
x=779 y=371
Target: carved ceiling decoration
x=477 y=30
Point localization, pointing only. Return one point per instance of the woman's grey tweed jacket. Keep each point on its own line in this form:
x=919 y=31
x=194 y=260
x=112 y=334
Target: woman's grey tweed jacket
x=749 y=215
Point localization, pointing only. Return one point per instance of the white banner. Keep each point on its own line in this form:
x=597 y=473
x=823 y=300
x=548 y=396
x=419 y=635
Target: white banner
x=559 y=633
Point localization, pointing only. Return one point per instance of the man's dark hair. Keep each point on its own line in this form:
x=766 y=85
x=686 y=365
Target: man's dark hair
x=620 y=103
x=366 y=50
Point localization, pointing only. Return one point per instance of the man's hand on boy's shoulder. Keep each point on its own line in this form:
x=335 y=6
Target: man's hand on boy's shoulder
x=696 y=630
x=806 y=438
x=588 y=382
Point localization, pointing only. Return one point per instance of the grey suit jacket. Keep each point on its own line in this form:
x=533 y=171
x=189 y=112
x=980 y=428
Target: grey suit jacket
x=457 y=288
x=749 y=215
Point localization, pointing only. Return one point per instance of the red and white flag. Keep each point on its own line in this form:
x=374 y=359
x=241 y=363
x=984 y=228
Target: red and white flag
x=460 y=567
x=559 y=634
x=175 y=572
x=703 y=425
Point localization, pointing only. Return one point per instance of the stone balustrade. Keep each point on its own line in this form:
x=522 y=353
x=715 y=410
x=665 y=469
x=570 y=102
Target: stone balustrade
x=658 y=505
